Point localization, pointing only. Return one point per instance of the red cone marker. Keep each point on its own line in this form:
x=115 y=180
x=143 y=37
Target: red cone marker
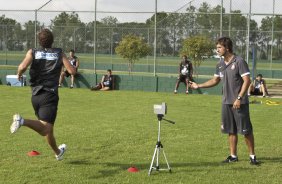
x=33 y=153
x=132 y=169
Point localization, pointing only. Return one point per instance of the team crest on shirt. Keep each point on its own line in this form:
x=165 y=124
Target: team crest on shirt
x=233 y=66
x=221 y=75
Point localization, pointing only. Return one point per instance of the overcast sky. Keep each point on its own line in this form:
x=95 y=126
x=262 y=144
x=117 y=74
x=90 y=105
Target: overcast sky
x=258 y=6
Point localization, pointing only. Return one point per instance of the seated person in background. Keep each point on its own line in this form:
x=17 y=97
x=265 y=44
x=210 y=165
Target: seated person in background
x=185 y=73
x=107 y=82
x=258 y=87
x=74 y=61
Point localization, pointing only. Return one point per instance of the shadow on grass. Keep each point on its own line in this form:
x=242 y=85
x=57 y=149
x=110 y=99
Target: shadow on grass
x=112 y=169
x=174 y=165
x=116 y=168
x=270 y=159
x=80 y=162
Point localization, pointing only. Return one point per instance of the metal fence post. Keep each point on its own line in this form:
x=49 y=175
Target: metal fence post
x=111 y=34
x=35 y=22
x=221 y=18
x=155 y=39
x=248 y=32
x=6 y=46
x=230 y=18
x=272 y=35
x=35 y=29
x=95 y=35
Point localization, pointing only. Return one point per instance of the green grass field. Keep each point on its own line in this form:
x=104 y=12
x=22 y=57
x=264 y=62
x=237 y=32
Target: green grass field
x=107 y=132
x=17 y=56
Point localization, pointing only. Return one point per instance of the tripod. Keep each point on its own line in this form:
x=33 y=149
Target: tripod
x=158 y=149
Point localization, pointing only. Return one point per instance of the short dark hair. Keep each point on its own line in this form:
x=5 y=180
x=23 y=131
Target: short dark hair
x=226 y=42
x=72 y=50
x=185 y=56
x=109 y=70
x=46 y=38
x=259 y=75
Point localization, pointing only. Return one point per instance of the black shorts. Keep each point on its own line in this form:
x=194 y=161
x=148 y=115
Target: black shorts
x=183 y=78
x=256 y=92
x=45 y=105
x=67 y=74
x=236 y=120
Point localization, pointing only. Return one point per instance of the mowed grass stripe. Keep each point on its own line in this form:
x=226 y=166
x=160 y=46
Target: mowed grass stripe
x=107 y=132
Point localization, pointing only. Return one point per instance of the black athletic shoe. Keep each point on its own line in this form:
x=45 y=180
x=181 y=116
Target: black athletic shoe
x=254 y=161
x=230 y=159
x=93 y=88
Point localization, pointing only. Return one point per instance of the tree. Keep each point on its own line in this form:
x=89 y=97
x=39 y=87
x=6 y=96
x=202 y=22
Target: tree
x=132 y=48
x=203 y=18
x=89 y=36
x=13 y=34
x=163 y=24
x=181 y=26
x=105 y=32
x=197 y=48
x=68 y=30
x=278 y=36
x=29 y=32
x=109 y=21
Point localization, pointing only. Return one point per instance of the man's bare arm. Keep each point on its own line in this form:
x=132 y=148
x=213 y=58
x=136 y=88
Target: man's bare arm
x=68 y=66
x=245 y=86
x=77 y=62
x=25 y=63
x=210 y=83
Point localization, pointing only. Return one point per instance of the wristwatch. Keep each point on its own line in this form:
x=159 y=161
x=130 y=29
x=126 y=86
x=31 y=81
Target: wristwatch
x=239 y=98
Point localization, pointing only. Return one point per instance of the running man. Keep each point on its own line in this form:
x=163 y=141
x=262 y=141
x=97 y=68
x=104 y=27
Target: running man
x=235 y=75
x=45 y=68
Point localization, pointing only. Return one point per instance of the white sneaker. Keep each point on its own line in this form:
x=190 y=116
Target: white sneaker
x=175 y=91
x=62 y=149
x=17 y=123
x=187 y=92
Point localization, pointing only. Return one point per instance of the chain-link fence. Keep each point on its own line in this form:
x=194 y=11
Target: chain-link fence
x=94 y=29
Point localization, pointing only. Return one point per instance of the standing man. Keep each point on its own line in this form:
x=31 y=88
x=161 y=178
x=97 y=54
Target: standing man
x=185 y=73
x=235 y=75
x=45 y=67
x=74 y=61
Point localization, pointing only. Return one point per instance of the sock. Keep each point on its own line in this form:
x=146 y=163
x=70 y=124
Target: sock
x=233 y=156
x=21 y=121
x=252 y=156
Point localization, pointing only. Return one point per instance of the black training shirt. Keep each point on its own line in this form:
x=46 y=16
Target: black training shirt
x=45 y=69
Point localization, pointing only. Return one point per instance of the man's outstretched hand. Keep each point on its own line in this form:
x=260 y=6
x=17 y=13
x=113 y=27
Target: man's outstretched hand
x=193 y=85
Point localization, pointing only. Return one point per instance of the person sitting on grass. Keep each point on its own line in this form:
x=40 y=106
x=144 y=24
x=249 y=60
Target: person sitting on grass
x=185 y=73
x=74 y=61
x=107 y=82
x=258 y=87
